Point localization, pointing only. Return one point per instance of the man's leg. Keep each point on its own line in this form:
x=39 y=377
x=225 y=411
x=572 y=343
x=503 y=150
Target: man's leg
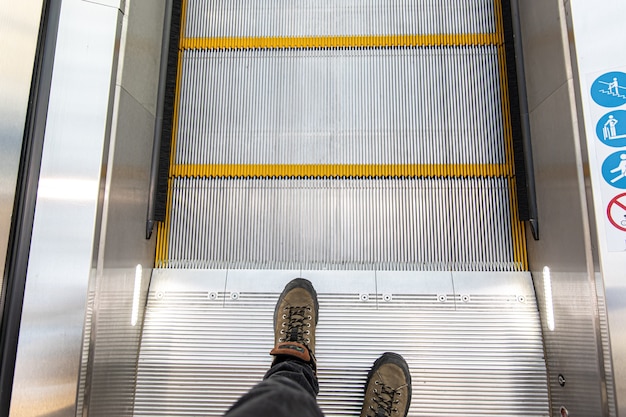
x=290 y=386
x=289 y=389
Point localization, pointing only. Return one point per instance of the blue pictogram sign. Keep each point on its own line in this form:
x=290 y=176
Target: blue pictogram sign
x=609 y=90
x=616 y=212
x=614 y=169
x=611 y=129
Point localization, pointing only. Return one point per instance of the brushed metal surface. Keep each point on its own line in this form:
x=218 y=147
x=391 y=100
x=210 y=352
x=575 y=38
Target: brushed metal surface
x=124 y=257
x=571 y=347
x=573 y=342
x=594 y=54
x=60 y=262
x=388 y=224
x=478 y=352
x=358 y=106
x=109 y=367
x=606 y=347
x=19 y=31
x=426 y=106
x=207 y=18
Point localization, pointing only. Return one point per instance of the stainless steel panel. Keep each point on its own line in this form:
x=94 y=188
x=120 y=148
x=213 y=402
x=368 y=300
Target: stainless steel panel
x=112 y=348
x=124 y=257
x=141 y=42
x=388 y=224
x=60 y=260
x=571 y=344
x=127 y=177
x=202 y=348
x=19 y=30
x=562 y=261
x=546 y=70
x=120 y=287
x=573 y=348
x=594 y=55
x=207 y=18
x=609 y=375
x=562 y=241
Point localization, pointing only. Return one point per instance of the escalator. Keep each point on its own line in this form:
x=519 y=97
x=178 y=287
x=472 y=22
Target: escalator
x=366 y=146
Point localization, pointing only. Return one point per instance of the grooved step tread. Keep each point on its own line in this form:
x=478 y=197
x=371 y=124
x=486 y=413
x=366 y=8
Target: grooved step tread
x=473 y=341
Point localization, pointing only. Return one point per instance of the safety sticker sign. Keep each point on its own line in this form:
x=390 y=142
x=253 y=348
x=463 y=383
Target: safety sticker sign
x=614 y=169
x=609 y=90
x=611 y=129
x=616 y=212
x=606 y=121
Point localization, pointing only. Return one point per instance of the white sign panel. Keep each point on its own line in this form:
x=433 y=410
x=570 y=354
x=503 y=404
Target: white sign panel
x=607 y=104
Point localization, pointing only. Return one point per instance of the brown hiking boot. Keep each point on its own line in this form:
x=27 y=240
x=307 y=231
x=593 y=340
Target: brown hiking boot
x=388 y=388
x=295 y=318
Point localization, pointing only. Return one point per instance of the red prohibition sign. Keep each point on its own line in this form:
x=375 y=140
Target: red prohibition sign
x=618 y=202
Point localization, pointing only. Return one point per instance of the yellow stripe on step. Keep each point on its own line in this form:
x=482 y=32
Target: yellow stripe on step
x=342 y=170
x=338 y=42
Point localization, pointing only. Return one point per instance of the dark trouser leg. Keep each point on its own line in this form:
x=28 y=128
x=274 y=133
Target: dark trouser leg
x=288 y=389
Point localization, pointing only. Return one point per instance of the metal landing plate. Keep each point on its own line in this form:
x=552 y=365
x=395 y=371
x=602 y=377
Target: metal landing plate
x=472 y=340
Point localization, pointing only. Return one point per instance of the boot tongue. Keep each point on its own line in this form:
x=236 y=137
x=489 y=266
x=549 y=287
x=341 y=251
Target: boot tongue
x=293 y=335
x=384 y=401
x=381 y=412
x=295 y=324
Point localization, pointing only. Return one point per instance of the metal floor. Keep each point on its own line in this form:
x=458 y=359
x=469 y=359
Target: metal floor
x=366 y=146
x=473 y=341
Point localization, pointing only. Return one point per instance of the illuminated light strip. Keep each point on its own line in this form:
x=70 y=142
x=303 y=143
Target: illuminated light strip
x=341 y=170
x=355 y=41
x=517 y=228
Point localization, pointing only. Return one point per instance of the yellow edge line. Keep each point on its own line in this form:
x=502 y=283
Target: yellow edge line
x=517 y=227
x=162 y=246
x=343 y=170
x=311 y=42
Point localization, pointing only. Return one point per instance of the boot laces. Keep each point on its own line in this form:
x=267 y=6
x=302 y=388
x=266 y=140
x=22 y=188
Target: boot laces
x=296 y=324
x=386 y=400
